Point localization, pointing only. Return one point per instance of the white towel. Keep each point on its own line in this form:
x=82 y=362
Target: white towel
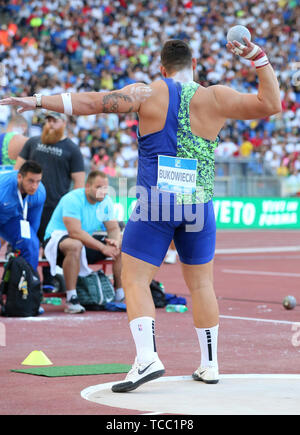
x=51 y=254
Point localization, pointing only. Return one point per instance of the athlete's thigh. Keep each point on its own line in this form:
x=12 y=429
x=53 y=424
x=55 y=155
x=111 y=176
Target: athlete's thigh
x=147 y=241
x=137 y=271
x=197 y=247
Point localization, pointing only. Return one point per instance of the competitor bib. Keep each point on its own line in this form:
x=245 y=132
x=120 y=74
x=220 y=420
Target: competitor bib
x=176 y=174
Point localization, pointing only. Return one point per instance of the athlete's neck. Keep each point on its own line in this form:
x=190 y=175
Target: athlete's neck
x=183 y=76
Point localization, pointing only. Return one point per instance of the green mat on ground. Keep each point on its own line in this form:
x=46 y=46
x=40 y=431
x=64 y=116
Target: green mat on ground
x=80 y=370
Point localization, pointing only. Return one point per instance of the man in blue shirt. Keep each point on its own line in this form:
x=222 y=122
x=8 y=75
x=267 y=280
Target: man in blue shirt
x=22 y=197
x=78 y=215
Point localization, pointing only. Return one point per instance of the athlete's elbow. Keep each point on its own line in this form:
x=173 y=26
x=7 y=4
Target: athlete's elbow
x=272 y=108
x=278 y=109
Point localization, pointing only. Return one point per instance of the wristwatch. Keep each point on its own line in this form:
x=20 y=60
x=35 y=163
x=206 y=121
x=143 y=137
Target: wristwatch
x=38 y=98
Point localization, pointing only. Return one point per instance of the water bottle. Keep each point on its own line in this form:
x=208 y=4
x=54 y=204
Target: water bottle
x=56 y=301
x=176 y=308
x=41 y=310
x=52 y=301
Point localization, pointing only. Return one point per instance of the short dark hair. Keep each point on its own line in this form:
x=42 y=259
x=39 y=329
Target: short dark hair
x=17 y=119
x=30 y=166
x=92 y=175
x=176 y=55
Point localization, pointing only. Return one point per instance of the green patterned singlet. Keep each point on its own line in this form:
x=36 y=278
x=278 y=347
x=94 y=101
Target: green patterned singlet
x=191 y=146
x=4 y=158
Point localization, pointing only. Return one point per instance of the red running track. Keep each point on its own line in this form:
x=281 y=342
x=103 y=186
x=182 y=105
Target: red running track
x=257 y=335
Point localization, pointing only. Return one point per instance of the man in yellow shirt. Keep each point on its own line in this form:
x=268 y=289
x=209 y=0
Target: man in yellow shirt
x=246 y=149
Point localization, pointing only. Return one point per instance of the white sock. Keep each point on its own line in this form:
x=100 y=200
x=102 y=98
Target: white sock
x=143 y=332
x=119 y=294
x=208 y=340
x=70 y=293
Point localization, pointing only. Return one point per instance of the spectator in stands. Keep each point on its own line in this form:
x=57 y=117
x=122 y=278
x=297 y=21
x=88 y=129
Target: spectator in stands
x=128 y=171
x=100 y=158
x=86 y=154
x=297 y=163
x=130 y=153
x=13 y=140
x=246 y=148
x=275 y=162
x=293 y=181
x=83 y=135
x=70 y=241
x=22 y=197
x=96 y=144
x=5 y=37
x=226 y=148
x=256 y=140
x=110 y=168
x=72 y=46
x=106 y=80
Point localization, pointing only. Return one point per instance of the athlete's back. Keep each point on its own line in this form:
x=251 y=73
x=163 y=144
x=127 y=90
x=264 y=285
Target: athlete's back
x=194 y=165
x=205 y=122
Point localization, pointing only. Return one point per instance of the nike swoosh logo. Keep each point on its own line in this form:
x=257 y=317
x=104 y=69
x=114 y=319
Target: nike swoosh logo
x=140 y=372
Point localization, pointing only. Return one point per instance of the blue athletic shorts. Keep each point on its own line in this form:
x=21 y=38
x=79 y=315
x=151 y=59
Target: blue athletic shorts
x=191 y=226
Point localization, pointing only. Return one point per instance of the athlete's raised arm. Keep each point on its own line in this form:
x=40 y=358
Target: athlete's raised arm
x=236 y=105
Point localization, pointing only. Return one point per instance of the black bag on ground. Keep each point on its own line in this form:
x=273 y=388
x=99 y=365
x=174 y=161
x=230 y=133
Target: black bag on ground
x=94 y=291
x=21 y=287
x=158 y=294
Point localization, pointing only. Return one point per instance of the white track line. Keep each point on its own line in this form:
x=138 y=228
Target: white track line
x=258 y=250
x=261 y=272
x=254 y=319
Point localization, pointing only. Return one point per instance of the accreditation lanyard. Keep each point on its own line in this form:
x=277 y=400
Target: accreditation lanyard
x=24 y=224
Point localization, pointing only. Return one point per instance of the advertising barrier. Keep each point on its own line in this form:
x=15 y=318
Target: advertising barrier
x=257 y=213
x=239 y=213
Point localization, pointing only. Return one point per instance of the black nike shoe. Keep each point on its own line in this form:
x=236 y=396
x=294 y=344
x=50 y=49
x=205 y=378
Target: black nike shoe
x=139 y=374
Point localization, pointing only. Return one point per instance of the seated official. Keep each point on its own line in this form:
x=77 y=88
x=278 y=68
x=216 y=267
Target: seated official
x=22 y=198
x=69 y=241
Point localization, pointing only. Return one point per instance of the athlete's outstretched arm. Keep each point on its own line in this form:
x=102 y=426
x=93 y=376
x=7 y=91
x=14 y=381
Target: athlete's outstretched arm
x=125 y=100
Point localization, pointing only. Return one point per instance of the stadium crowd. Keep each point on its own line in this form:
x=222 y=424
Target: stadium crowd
x=55 y=46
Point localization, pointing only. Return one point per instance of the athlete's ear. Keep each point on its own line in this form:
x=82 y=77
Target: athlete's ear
x=194 y=63
x=163 y=71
